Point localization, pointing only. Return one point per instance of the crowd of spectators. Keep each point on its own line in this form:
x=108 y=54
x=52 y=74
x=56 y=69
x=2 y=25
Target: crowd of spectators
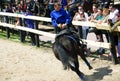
x=98 y=14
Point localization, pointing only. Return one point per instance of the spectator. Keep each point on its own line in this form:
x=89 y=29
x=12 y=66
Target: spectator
x=64 y=3
x=24 y=6
x=106 y=15
x=30 y=24
x=51 y=5
x=104 y=3
x=95 y=10
x=73 y=8
x=20 y=22
x=113 y=13
x=98 y=18
x=8 y=9
x=105 y=20
x=46 y=14
x=17 y=11
x=87 y=7
x=41 y=6
x=32 y=6
x=82 y=16
x=36 y=8
x=92 y=16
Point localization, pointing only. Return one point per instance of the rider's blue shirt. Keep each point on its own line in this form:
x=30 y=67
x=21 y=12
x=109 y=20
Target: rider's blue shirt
x=60 y=16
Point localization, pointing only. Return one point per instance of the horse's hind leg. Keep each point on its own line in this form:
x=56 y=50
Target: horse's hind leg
x=54 y=48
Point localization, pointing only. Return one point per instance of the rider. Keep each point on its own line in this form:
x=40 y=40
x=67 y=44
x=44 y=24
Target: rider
x=60 y=18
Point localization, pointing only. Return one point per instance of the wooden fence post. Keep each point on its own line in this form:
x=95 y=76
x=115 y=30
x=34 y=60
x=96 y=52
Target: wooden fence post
x=36 y=35
x=22 y=33
x=80 y=31
x=7 y=28
x=1 y=20
x=112 y=49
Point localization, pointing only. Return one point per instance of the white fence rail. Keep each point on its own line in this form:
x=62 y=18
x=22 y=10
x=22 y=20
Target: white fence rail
x=103 y=26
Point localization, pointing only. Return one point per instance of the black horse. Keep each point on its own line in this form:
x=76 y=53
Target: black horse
x=67 y=50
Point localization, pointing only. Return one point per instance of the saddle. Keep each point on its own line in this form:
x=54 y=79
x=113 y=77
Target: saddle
x=72 y=35
x=63 y=32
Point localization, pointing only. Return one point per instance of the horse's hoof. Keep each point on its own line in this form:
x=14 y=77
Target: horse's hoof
x=93 y=59
x=90 y=67
x=82 y=77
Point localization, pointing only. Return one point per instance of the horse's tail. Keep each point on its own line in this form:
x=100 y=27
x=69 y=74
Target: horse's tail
x=65 y=58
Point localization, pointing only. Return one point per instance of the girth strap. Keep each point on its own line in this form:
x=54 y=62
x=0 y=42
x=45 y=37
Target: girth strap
x=72 y=37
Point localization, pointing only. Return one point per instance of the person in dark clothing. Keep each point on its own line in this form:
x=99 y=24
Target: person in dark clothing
x=64 y=3
x=30 y=24
x=33 y=7
x=87 y=7
x=104 y=3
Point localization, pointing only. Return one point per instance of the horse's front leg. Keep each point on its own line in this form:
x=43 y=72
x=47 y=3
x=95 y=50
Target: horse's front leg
x=78 y=72
x=80 y=53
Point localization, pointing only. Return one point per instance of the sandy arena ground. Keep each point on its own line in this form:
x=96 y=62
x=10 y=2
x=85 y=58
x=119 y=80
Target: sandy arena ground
x=19 y=62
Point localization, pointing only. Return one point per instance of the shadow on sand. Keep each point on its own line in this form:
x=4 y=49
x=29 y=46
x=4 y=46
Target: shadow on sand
x=99 y=74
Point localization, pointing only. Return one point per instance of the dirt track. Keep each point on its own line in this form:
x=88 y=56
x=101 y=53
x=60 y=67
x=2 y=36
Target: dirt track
x=19 y=62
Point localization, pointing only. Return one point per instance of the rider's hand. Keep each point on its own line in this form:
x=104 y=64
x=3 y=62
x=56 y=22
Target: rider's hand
x=60 y=25
x=64 y=26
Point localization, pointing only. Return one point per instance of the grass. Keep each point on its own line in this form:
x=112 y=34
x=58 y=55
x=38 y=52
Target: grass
x=13 y=37
x=16 y=38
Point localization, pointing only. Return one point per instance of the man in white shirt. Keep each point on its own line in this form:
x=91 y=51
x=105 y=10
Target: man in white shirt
x=113 y=13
